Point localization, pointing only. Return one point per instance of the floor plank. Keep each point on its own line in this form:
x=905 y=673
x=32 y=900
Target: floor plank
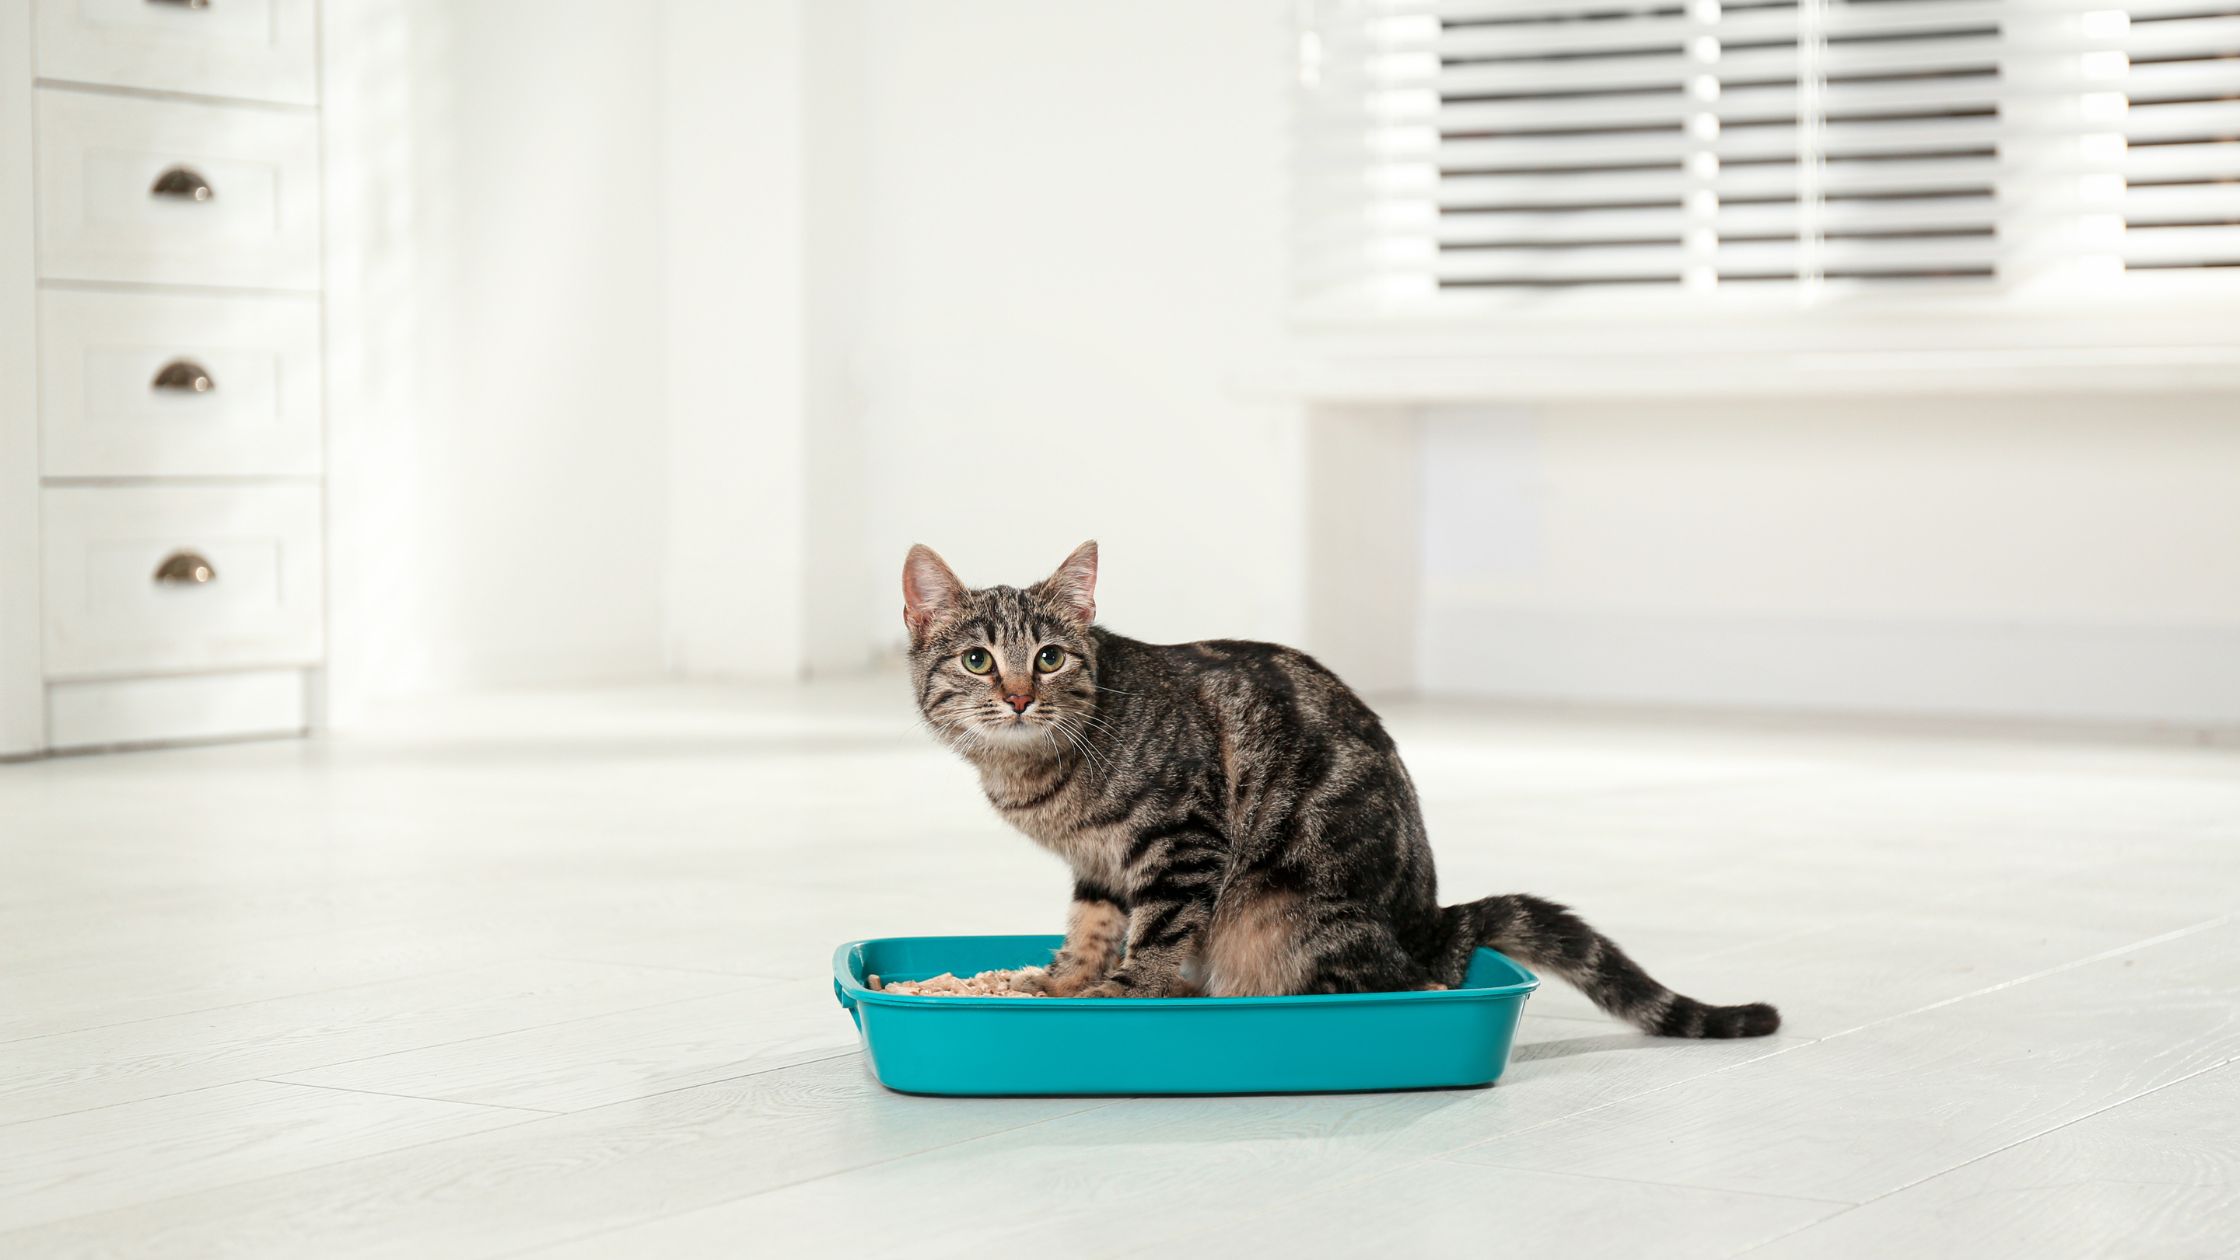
x=50 y=1076
x=192 y=974
x=1448 y=1209
x=557 y=1178
x=1860 y=1115
x=1871 y=967
x=1168 y=1167
x=2156 y=1176
x=614 y=1058
x=1159 y=1206
x=113 y=1157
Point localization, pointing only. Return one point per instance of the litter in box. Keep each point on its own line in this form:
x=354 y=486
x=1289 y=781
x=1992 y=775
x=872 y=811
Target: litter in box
x=984 y=984
x=989 y=984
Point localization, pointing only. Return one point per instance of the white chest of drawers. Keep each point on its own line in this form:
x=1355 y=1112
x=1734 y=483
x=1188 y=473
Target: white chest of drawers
x=161 y=497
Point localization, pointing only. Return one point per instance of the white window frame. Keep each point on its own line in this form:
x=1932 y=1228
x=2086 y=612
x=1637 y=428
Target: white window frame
x=2176 y=330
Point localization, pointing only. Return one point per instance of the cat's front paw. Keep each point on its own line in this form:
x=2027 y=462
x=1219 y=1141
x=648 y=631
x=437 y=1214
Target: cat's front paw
x=1037 y=982
x=1055 y=983
x=1123 y=985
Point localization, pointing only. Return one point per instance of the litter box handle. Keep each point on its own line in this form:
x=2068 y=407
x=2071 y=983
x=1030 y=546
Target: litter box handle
x=845 y=965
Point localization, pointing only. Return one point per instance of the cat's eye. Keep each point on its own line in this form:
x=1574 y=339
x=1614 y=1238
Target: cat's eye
x=977 y=661
x=1049 y=659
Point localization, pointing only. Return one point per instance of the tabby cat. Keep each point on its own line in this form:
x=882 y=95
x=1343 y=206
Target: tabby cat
x=1237 y=820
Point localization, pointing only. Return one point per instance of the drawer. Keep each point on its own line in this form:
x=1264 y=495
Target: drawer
x=122 y=594
x=172 y=192
x=263 y=50
x=146 y=385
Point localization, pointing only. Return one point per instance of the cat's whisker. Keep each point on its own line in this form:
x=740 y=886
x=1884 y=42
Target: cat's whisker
x=1057 y=723
x=1092 y=725
x=1087 y=754
x=1081 y=741
x=959 y=734
x=1091 y=722
x=1098 y=722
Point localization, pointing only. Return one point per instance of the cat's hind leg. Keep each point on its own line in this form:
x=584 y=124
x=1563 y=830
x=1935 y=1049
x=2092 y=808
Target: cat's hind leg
x=1267 y=941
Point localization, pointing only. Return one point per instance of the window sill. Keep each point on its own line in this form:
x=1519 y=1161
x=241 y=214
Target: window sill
x=1513 y=359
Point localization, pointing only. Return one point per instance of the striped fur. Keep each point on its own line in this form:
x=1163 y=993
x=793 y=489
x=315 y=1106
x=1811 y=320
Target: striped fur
x=1237 y=820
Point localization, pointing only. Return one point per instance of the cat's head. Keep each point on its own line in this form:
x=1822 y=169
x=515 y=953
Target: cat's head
x=1001 y=667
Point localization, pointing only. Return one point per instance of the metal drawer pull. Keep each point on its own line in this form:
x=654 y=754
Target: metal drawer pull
x=184 y=375
x=183 y=4
x=185 y=568
x=183 y=183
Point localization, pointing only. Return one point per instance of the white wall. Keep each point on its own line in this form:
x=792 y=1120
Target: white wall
x=762 y=240
x=595 y=281
x=1073 y=220
x=837 y=605
x=497 y=449
x=2056 y=557
x=659 y=333
x=734 y=287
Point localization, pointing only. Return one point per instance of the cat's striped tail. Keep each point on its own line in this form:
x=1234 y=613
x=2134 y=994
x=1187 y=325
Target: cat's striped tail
x=1548 y=936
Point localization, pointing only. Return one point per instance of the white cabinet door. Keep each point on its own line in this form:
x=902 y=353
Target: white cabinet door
x=149 y=579
x=172 y=192
x=150 y=385
x=260 y=50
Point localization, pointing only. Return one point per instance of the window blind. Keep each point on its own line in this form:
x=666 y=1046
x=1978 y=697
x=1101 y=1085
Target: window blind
x=2180 y=169
x=1501 y=150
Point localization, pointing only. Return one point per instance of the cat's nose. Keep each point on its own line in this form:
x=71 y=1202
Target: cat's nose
x=1018 y=703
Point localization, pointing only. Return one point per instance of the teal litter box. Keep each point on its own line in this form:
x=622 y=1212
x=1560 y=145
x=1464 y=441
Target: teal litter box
x=1249 y=1045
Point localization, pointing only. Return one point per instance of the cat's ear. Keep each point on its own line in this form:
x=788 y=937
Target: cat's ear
x=1074 y=586
x=929 y=589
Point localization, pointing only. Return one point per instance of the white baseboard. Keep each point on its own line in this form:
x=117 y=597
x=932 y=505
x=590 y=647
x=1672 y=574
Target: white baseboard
x=130 y=711
x=2163 y=675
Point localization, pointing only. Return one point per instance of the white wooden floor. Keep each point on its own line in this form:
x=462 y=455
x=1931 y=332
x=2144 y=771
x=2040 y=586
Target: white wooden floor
x=548 y=975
